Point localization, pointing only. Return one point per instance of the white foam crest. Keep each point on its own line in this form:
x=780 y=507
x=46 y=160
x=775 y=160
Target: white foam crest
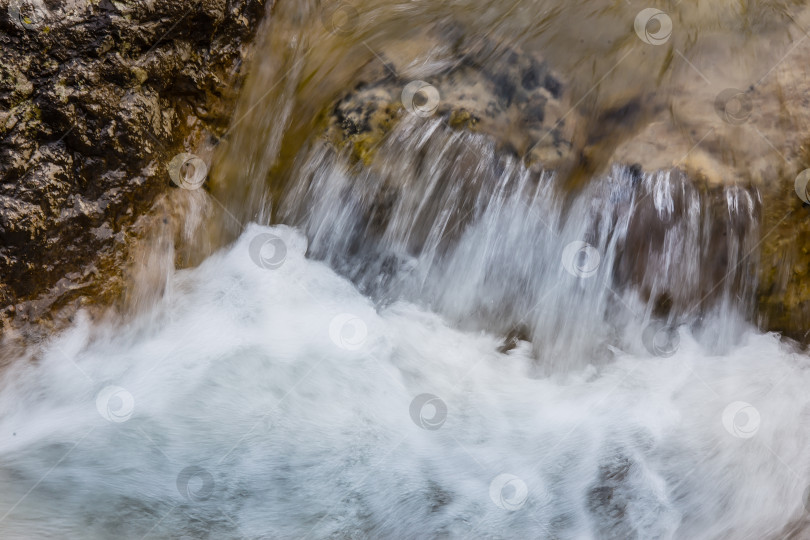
x=286 y=400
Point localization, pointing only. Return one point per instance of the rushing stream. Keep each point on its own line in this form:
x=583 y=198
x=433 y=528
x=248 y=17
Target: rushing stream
x=436 y=342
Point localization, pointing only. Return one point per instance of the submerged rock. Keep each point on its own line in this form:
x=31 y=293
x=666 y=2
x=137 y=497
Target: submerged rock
x=95 y=99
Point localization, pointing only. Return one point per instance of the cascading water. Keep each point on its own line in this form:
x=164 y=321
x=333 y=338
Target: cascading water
x=438 y=342
x=444 y=222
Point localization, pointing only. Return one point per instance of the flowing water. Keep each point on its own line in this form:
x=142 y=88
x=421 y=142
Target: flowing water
x=439 y=342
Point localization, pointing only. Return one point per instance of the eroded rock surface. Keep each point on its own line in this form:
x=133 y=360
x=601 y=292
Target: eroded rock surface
x=95 y=99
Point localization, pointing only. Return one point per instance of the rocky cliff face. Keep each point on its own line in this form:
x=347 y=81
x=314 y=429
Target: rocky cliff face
x=95 y=100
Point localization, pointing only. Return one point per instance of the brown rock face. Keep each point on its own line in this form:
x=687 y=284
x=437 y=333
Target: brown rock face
x=95 y=99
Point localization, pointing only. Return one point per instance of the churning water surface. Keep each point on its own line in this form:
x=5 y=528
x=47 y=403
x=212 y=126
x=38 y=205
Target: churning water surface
x=281 y=403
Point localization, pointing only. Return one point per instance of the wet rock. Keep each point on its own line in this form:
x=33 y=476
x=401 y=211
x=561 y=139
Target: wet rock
x=521 y=102
x=732 y=130
x=614 y=500
x=95 y=99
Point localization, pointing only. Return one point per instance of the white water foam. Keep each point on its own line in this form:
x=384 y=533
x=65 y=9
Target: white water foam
x=279 y=403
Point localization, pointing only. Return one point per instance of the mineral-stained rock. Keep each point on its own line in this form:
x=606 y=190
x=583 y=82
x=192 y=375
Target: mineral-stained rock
x=95 y=99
